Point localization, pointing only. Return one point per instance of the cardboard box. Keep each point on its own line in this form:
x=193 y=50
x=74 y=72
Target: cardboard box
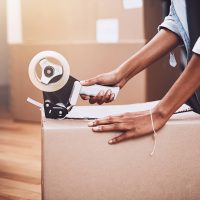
x=76 y=20
x=78 y=164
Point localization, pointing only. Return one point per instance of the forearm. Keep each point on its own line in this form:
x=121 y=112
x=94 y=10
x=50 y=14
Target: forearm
x=160 y=45
x=181 y=91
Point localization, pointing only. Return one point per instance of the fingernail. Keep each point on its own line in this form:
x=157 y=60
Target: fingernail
x=96 y=128
x=82 y=82
x=110 y=142
x=87 y=97
x=112 y=96
x=109 y=92
x=91 y=124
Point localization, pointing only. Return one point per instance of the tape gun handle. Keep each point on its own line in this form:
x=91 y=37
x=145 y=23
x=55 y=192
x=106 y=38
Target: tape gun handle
x=93 y=90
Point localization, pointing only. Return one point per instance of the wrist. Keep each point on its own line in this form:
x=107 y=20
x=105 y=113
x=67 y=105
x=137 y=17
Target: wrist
x=119 y=73
x=161 y=113
x=131 y=67
x=127 y=69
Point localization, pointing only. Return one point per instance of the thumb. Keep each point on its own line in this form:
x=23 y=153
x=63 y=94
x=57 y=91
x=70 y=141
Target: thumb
x=90 y=81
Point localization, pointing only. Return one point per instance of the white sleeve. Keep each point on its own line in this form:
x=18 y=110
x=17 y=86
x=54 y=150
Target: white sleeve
x=169 y=23
x=196 y=48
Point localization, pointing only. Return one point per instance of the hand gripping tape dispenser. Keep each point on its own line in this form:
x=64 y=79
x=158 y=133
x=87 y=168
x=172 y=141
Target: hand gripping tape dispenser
x=49 y=72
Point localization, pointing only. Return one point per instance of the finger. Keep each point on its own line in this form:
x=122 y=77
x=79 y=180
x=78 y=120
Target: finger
x=105 y=120
x=97 y=98
x=105 y=97
x=112 y=97
x=92 y=100
x=85 y=97
x=120 y=138
x=110 y=127
x=90 y=81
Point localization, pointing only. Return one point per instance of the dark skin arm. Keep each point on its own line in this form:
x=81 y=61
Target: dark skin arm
x=160 y=45
x=139 y=124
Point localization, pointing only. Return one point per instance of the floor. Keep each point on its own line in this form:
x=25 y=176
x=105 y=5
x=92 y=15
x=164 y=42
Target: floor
x=20 y=160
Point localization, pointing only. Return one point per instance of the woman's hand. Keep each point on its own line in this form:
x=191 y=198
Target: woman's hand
x=132 y=125
x=112 y=78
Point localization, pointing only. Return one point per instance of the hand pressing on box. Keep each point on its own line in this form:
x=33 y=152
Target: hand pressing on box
x=112 y=78
x=137 y=124
x=131 y=124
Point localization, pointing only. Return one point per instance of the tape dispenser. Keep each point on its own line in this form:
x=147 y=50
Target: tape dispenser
x=49 y=71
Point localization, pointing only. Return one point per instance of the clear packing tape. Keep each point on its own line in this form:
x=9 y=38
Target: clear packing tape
x=50 y=87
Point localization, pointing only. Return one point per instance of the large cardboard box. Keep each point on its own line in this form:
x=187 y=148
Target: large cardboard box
x=80 y=165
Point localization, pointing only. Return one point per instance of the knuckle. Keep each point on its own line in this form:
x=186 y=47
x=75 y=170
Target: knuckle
x=91 y=101
x=110 y=98
x=96 y=122
x=122 y=127
x=116 y=126
x=121 y=116
x=89 y=81
x=106 y=99
x=99 y=98
x=128 y=126
x=125 y=127
x=127 y=114
x=100 y=102
x=130 y=134
x=99 y=128
x=122 y=137
x=117 y=139
x=110 y=119
x=102 y=128
x=127 y=136
x=85 y=97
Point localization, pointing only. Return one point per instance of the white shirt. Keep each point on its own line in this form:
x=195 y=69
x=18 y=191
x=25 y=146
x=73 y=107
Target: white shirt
x=180 y=8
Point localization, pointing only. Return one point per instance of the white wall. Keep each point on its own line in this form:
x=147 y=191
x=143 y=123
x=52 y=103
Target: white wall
x=14 y=21
x=3 y=46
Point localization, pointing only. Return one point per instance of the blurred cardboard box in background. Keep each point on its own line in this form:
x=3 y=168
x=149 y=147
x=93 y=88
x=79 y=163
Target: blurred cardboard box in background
x=67 y=20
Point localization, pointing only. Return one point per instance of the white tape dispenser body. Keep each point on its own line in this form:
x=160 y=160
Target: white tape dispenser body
x=60 y=90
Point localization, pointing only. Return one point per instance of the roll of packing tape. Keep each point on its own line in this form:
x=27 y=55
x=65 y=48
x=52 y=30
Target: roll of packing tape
x=51 y=87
